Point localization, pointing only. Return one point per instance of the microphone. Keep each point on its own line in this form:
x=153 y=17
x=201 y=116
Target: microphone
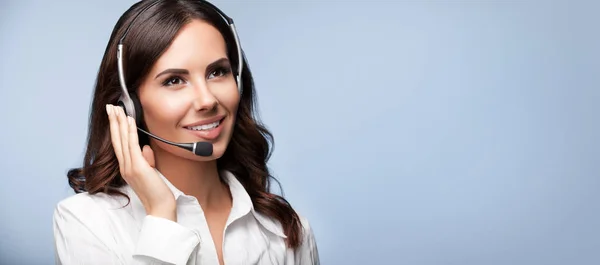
x=198 y=148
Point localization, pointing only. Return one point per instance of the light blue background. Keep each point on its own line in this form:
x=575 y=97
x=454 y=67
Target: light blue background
x=411 y=132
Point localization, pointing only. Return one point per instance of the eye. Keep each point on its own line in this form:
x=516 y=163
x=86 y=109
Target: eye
x=218 y=72
x=172 y=81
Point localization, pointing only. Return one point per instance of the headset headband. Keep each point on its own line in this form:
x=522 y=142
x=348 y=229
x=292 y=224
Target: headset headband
x=125 y=97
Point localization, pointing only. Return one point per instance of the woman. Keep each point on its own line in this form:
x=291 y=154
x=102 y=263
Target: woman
x=144 y=201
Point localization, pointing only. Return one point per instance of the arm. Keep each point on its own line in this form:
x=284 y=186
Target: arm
x=84 y=234
x=87 y=239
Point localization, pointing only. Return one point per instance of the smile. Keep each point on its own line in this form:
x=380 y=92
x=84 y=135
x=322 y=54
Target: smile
x=207 y=131
x=205 y=127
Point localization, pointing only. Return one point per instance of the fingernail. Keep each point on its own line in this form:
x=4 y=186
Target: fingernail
x=108 y=109
x=129 y=120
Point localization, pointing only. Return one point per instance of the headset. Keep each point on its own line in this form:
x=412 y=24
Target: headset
x=131 y=104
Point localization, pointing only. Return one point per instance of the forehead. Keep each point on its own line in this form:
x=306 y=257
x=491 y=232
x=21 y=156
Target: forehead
x=197 y=44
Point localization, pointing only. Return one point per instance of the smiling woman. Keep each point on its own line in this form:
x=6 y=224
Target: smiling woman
x=173 y=69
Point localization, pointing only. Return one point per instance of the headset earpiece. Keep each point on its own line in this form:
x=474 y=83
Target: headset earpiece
x=139 y=112
x=132 y=107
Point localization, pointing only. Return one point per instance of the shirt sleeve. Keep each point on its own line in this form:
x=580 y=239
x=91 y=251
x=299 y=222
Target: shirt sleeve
x=165 y=240
x=307 y=253
x=83 y=239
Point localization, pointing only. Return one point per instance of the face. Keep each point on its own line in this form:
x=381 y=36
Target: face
x=190 y=94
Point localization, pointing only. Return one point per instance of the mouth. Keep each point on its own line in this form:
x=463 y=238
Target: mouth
x=207 y=130
x=205 y=127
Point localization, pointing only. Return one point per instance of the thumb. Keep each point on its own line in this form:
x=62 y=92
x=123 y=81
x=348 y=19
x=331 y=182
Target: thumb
x=148 y=154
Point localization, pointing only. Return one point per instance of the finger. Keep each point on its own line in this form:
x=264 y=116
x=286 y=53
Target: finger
x=134 y=145
x=148 y=155
x=124 y=133
x=115 y=137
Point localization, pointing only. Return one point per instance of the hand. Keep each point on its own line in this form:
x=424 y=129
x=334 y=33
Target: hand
x=137 y=166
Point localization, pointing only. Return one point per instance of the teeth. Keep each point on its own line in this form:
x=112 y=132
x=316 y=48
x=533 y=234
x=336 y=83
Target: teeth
x=205 y=126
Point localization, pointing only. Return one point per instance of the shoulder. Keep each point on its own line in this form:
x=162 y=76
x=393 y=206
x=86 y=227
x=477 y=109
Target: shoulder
x=75 y=204
x=307 y=252
x=88 y=219
x=85 y=208
x=276 y=227
x=91 y=229
x=84 y=202
x=308 y=235
x=305 y=223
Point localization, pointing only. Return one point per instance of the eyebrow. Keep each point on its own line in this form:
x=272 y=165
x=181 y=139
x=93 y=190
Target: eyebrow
x=186 y=72
x=172 y=71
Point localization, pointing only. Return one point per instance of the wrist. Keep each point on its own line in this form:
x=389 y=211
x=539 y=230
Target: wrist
x=165 y=210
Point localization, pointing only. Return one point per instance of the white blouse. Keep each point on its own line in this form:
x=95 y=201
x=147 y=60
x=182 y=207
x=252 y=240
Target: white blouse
x=100 y=229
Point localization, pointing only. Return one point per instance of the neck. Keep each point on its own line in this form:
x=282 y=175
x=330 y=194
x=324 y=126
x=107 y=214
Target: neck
x=198 y=179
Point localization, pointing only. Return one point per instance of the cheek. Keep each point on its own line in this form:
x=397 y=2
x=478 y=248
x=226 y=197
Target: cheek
x=161 y=110
x=229 y=99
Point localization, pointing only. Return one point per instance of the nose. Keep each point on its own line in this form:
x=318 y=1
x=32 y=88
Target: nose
x=204 y=99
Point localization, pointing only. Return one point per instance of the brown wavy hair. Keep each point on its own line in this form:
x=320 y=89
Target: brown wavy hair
x=150 y=35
